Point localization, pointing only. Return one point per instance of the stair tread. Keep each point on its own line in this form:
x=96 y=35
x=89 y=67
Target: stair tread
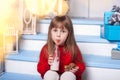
x=24 y=55
x=101 y=61
x=80 y=21
x=90 y=60
x=18 y=76
x=79 y=38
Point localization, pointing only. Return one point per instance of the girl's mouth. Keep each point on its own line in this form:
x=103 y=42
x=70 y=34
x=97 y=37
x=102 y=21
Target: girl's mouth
x=57 y=41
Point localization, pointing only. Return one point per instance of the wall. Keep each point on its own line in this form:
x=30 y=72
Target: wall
x=90 y=8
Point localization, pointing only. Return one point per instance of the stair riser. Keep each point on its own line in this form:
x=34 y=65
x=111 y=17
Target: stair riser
x=93 y=73
x=21 y=67
x=78 y=29
x=35 y=45
x=86 y=48
x=96 y=48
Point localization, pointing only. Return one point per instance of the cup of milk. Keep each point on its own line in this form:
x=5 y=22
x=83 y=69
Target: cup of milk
x=55 y=65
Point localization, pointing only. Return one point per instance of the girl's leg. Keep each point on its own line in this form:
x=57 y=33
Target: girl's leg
x=51 y=75
x=68 y=76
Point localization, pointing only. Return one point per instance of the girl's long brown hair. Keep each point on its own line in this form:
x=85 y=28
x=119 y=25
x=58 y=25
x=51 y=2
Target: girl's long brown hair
x=70 y=43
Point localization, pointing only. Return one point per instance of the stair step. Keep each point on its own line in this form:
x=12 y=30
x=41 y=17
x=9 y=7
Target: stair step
x=87 y=44
x=81 y=26
x=24 y=55
x=76 y=21
x=101 y=61
x=18 y=76
x=91 y=60
x=79 y=38
x=24 y=62
x=23 y=67
x=94 y=73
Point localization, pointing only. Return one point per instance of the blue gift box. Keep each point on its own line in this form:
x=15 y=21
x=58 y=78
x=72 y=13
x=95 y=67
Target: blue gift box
x=111 y=32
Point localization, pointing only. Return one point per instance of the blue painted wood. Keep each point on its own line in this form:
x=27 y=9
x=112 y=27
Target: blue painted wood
x=17 y=76
x=25 y=55
x=79 y=38
x=77 y=21
x=101 y=61
x=90 y=60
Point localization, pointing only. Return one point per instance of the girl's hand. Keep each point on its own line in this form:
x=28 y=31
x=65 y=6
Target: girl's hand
x=75 y=69
x=71 y=67
x=50 y=60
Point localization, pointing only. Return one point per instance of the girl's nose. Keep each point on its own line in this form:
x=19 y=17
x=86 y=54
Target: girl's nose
x=58 y=34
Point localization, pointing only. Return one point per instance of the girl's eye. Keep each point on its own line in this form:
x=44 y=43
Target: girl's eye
x=63 y=31
x=55 y=30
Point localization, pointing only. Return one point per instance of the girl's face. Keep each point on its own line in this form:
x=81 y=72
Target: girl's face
x=59 y=35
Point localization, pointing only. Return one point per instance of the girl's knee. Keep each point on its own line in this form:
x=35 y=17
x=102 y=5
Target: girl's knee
x=68 y=76
x=51 y=75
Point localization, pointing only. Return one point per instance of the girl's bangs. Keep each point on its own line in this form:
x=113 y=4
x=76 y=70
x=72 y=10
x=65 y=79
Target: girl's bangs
x=60 y=25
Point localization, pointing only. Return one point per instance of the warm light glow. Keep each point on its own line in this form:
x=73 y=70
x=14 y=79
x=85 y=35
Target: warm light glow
x=8 y=17
x=10 y=14
x=48 y=8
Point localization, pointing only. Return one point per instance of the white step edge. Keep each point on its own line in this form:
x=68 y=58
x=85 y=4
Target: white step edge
x=35 y=45
x=96 y=48
x=93 y=73
x=78 y=29
x=86 y=48
x=21 y=67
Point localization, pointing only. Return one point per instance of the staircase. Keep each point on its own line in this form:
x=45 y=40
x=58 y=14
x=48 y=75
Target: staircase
x=96 y=52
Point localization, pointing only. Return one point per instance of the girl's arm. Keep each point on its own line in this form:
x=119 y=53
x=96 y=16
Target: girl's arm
x=43 y=65
x=79 y=63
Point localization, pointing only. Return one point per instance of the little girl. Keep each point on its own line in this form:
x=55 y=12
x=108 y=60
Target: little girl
x=61 y=44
